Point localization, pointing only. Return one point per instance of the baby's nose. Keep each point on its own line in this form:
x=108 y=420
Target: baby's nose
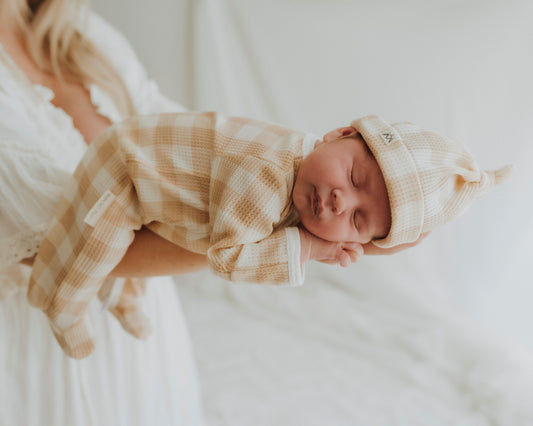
x=338 y=203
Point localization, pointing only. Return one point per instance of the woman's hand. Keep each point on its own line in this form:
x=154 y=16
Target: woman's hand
x=28 y=261
x=375 y=250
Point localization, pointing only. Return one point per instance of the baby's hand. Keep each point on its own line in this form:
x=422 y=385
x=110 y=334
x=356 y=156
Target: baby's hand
x=314 y=248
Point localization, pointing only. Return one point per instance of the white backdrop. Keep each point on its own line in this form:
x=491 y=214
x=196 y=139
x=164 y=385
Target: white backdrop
x=462 y=68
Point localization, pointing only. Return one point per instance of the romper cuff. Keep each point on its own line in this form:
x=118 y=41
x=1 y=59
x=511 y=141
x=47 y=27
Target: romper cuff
x=296 y=270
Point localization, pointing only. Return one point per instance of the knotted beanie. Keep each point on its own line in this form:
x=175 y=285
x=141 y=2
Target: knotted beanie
x=430 y=179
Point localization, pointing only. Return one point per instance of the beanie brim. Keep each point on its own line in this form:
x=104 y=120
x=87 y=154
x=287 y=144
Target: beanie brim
x=401 y=179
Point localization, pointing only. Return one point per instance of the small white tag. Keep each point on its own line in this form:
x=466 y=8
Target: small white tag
x=99 y=208
x=389 y=137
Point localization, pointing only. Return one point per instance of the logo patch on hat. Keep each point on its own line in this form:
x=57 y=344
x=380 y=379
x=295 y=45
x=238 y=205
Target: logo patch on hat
x=389 y=137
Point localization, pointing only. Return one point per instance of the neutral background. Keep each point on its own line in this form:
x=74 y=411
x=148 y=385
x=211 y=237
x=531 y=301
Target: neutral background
x=462 y=68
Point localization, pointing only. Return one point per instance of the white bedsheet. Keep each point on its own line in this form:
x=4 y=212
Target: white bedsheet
x=369 y=350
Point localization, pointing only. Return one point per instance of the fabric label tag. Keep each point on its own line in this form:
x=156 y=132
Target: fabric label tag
x=99 y=208
x=389 y=137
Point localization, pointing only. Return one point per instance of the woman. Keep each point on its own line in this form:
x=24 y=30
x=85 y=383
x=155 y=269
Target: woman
x=57 y=92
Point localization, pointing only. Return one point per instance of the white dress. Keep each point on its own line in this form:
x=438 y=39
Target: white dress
x=126 y=381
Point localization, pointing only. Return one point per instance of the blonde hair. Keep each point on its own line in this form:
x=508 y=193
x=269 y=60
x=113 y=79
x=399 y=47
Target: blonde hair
x=58 y=47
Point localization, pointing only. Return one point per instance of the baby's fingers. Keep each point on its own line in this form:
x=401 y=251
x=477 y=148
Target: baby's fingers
x=343 y=257
x=354 y=251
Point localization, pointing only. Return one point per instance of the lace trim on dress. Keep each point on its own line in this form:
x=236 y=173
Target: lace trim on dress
x=21 y=246
x=56 y=125
x=60 y=129
x=103 y=104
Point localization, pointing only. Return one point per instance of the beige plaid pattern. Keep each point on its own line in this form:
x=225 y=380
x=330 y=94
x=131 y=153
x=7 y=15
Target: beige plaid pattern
x=127 y=307
x=209 y=183
x=430 y=179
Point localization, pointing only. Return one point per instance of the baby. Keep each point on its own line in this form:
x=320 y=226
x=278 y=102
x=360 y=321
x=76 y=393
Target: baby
x=258 y=199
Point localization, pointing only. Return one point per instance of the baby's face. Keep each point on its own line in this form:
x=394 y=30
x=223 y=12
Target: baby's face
x=340 y=192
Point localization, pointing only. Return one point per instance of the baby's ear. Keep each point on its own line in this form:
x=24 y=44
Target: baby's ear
x=341 y=132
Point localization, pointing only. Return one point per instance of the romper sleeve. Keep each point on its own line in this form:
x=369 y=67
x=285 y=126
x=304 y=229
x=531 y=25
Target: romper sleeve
x=30 y=183
x=145 y=93
x=272 y=260
x=246 y=203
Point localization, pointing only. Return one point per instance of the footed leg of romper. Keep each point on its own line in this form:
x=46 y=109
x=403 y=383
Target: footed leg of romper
x=101 y=169
x=127 y=306
x=103 y=250
x=78 y=340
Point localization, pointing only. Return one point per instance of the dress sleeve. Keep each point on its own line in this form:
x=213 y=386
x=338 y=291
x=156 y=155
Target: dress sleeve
x=30 y=183
x=145 y=93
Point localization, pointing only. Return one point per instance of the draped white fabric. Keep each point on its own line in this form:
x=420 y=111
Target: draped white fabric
x=438 y=335
x=125 y=382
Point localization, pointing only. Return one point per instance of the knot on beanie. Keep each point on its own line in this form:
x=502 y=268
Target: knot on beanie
x=490 y=178
x=430 y=179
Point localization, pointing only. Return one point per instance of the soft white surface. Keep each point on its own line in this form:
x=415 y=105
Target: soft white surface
x=372 y=350
x=386 y=341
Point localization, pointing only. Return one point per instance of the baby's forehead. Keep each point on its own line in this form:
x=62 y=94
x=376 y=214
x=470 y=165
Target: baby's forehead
x=360 y=139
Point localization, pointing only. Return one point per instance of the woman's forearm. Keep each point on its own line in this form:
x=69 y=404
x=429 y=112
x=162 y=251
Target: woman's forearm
x=151 y=255
x=374 y=250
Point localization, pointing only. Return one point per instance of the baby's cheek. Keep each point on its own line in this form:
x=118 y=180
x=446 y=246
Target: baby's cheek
x=331 y=231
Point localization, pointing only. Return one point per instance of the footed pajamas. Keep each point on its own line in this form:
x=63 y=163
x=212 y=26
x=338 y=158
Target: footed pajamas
x=211 y=184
